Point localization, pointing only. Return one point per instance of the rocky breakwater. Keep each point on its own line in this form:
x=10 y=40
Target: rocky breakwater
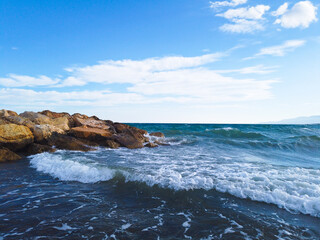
x=30 y=133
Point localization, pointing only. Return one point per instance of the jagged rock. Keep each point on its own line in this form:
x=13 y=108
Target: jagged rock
x=151 y=145
x=7 y=113
x=44 y=131
x=112 y=144
x=3 y=121
x=67 y=142
x=157 y=134
x=35 y=148
x=92 y=122
x=20 y=121
x=89 y=132
x=51 y=114
x=120 y=128
x=7 y=155
x=36 y=118
x=15 y=137
x=128 y=141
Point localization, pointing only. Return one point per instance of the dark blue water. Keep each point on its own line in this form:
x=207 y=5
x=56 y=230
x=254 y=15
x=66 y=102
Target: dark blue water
x=209 y=182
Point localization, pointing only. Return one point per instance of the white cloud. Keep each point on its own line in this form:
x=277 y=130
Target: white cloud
x=281 y=50
x=255 y=12
x=244 y=20
x=13 y=80
x=281 y=10
x=174 y=79
x=302 y=14
x=242 y=26
x=231 y=3
x=258 y=69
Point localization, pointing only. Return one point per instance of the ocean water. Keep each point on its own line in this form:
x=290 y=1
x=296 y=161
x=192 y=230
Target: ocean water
x=209 y=182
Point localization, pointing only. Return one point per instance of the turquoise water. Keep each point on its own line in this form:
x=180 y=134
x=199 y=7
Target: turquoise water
x=208 y=182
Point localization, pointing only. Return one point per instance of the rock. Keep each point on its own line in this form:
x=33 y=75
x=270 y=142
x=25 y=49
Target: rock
x=55 y=115
x=128 y=141
x=7 y=155
x=112 y=144
x=51 y=114
x=20 y=121
x=61 y=123
x=151 y=145
x=7 y=113
x=15 y=137
x=3 y=121
x=35 y=148
x=67 y=142
x=44 y=131
x=157 y=134
x=89 y=132
x=92 y=122
x=120 y=128
x=36 y=118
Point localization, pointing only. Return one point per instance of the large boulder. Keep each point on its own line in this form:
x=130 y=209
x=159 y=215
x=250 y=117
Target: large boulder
x=15 y=137
x=68 y=143
x=90 y=132
x=128 y=141
x=36 y=118
x=7 y=113
x=157 y=134
x=44 y=131
x=55 y=115
x=51 y=114
x=35 y=148
x=7 y=155
x=120 y=128
x=92 y=122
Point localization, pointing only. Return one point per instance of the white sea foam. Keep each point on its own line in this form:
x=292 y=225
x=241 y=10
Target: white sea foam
x=292 y=188
x=70 y=170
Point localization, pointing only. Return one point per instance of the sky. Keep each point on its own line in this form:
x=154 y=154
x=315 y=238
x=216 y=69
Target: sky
x=173 y=61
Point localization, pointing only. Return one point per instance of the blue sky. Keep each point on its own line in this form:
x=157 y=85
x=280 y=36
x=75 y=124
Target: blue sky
x=233 y=61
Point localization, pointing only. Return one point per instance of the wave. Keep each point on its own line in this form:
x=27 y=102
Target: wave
x=70 y=170
x=235 y=133
x=292 y=188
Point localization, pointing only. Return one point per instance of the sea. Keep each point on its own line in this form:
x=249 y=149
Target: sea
x=209 y=181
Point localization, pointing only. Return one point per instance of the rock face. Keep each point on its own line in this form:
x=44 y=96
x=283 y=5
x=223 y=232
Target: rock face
x=31 y=133
x=7 y=155
x=15 y=137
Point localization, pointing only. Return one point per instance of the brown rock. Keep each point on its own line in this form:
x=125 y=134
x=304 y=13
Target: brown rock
x=89 y=132
x=51 y=114
x=3 y=121
x=112 y=144
x=7 y=113
x=15 y=137
x=20 y=121
x=120 y=128
x=35 y=148
x=157 y=134
x=151 y=145
x=128 y=141
x=44 y=131
x=92 y=122
x=68 y=143
x=7 y=155
x=36 y=118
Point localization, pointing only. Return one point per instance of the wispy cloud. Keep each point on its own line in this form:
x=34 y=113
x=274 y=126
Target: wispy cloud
x=258 y=69
x=175 y=79
x=302 y=14
x=279 y=50
x=255 y=12
x=13 y=80
x=244 y=20
x=231 y=3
